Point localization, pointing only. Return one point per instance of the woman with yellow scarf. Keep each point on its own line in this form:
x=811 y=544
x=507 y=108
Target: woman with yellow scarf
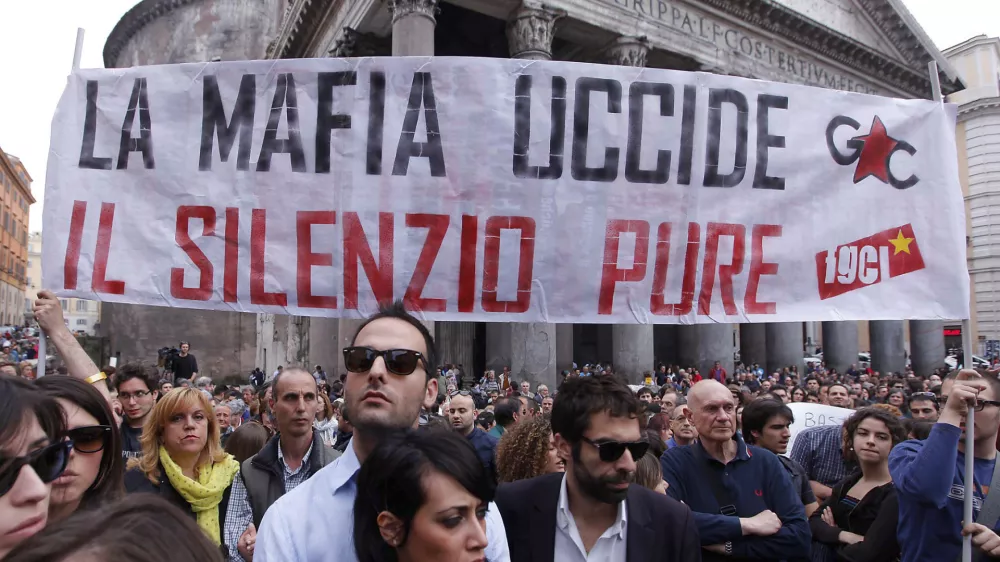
x=183 y=462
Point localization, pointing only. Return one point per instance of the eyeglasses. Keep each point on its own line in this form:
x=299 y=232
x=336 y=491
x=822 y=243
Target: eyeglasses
x=90 y=438
x=610 y=451
x=980 y=403
x=459 y=393
x=48 y=463
x=138 y=395
x=358 y=359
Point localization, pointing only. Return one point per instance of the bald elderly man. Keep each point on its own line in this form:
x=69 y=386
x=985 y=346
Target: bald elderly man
x=742 y=497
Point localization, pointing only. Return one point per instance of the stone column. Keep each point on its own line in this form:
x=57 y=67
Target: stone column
x=926 y=346
x=323 y=348
x=840 y=345
x=346 y=328
x=528 y=348
x=888 y=351
x=702 y=345
x=753 y=344
x=784 y=345
x=564 y=347
x=413 y=27
x=633 y=350
x=530 y=30
x=633 y=343
x=455 y=341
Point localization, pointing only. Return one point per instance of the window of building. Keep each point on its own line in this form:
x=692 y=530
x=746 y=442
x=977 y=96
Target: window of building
x=81 y=322
x=81 y=306
x=65 y=305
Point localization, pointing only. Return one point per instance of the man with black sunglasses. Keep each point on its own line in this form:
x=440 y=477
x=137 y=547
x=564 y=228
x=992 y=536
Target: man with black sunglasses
x=741 y=495
x=391 y=377
x=593 y=511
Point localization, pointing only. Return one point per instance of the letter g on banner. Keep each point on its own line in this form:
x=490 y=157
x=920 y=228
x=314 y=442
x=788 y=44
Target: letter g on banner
x=873 y=152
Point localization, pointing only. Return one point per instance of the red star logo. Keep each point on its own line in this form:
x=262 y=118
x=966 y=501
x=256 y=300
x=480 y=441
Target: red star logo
x=874 y=160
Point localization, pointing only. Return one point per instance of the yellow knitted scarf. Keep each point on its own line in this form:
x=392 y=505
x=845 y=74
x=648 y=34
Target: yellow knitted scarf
x=205 y=494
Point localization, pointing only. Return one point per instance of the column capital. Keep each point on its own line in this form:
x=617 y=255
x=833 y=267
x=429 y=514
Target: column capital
x=530 y=31
x=628 y=51
x=403 y=8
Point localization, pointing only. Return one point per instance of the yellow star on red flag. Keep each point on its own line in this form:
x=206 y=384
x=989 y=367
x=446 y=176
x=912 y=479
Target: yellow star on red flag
x=901 y=243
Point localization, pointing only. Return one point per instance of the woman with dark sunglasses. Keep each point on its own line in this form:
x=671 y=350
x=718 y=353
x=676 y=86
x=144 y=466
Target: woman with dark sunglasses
x=33 y=453
x=95 y=470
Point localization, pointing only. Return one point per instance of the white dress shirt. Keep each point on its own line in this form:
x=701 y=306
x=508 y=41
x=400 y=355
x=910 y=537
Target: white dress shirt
x=610 y=547
x=315 y=521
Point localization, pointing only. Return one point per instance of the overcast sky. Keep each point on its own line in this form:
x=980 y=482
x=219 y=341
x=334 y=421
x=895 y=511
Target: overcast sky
x=38 y=39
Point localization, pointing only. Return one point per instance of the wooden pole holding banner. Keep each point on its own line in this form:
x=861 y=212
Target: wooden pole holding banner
x=40 y=365
x=967 y=513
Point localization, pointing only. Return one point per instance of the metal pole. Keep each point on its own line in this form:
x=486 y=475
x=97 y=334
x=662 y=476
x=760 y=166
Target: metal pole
x=78 y=52
x=970 y=423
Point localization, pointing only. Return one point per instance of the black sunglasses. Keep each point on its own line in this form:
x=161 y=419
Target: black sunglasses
x=90 y=438
x=980 y=403
x=459 y=393
x=610 y=451
x=48 y=463
x=359 y=359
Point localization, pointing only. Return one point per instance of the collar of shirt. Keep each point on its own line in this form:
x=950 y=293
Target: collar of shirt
x=564 y=518
x=305 y=460
x=347 y=466
x=742 y=451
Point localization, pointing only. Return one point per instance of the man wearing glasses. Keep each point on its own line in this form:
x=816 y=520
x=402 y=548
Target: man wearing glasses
x=742 y=497
x=137 y=393
x=462 y=415
x=592 y=511
x=924 y=406
x=929 y=475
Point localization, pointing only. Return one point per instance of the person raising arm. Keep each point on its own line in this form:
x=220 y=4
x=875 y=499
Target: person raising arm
x=49 y=314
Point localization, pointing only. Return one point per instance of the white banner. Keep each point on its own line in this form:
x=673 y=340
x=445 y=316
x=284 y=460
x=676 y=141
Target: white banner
x=501 y=190
x=813 y=415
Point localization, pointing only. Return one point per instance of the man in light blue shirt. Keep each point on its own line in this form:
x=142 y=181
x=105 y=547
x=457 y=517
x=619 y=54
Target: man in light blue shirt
x=387 y=384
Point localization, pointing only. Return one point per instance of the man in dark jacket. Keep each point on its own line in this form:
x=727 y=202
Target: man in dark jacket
x=462 y=414
x=596 y=427
x=288 y=459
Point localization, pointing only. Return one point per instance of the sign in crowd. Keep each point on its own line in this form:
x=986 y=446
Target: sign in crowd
x=487 y=189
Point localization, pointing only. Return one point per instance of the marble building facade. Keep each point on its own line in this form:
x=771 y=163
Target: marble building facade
x=868 y=46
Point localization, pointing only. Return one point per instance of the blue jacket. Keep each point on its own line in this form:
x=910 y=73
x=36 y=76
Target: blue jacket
x=928 y=476
x=755 y=481
x=486 y=448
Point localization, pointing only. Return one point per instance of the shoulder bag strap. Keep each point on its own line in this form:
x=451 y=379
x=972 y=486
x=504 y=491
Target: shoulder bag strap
x=726 y=504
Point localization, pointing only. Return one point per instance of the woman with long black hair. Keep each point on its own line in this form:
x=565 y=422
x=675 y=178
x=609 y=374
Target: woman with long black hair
x=95 y=470
x=422 y=497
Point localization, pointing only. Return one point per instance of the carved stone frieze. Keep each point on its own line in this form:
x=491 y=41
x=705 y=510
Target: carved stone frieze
x=353 y=43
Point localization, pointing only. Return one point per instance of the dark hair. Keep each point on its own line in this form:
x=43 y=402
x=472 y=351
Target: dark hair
x=846 y=388
x=658 y=422
x=918 y=396
x=776 y=386
x=247 y=441
x=656 y=445
x=391 y=479
x=665 y=390
x=131 y=371
x=19 y=401
x=398 y=311
x=919 y=429
x=648 y=473
x=644 y=390
x=109 y=484
x=582 y=397
x=262 y=391
x=505 y=409
x=896 y=430
x=485 y=419
x=756 y=414
x=139 y=527
x=163 y=382
x=812 y=378
x=344 y=413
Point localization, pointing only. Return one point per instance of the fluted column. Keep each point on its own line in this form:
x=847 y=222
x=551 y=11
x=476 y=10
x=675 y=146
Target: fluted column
x=753 y=344
x=840 y=345
x=888 y=351
x=633 y=343
x=784 y=345
x=413 y=27
x=530 y=31
x=701 y=345
x=926 y=346
x=455 y=343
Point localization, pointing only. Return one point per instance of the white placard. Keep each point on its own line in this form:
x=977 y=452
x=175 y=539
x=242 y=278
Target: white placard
x=813 y=415
x=498 y=190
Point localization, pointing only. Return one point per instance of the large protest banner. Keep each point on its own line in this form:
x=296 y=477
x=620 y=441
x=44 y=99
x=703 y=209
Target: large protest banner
x=501 y=190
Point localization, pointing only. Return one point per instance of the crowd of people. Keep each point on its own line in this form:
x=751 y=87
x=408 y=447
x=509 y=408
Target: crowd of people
x=400 y=459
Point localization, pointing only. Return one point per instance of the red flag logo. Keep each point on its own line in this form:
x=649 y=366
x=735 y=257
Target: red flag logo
x=868 y=261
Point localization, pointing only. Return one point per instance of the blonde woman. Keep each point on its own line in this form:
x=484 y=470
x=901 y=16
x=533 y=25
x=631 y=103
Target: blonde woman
x=183 y=462
x=325 y=422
